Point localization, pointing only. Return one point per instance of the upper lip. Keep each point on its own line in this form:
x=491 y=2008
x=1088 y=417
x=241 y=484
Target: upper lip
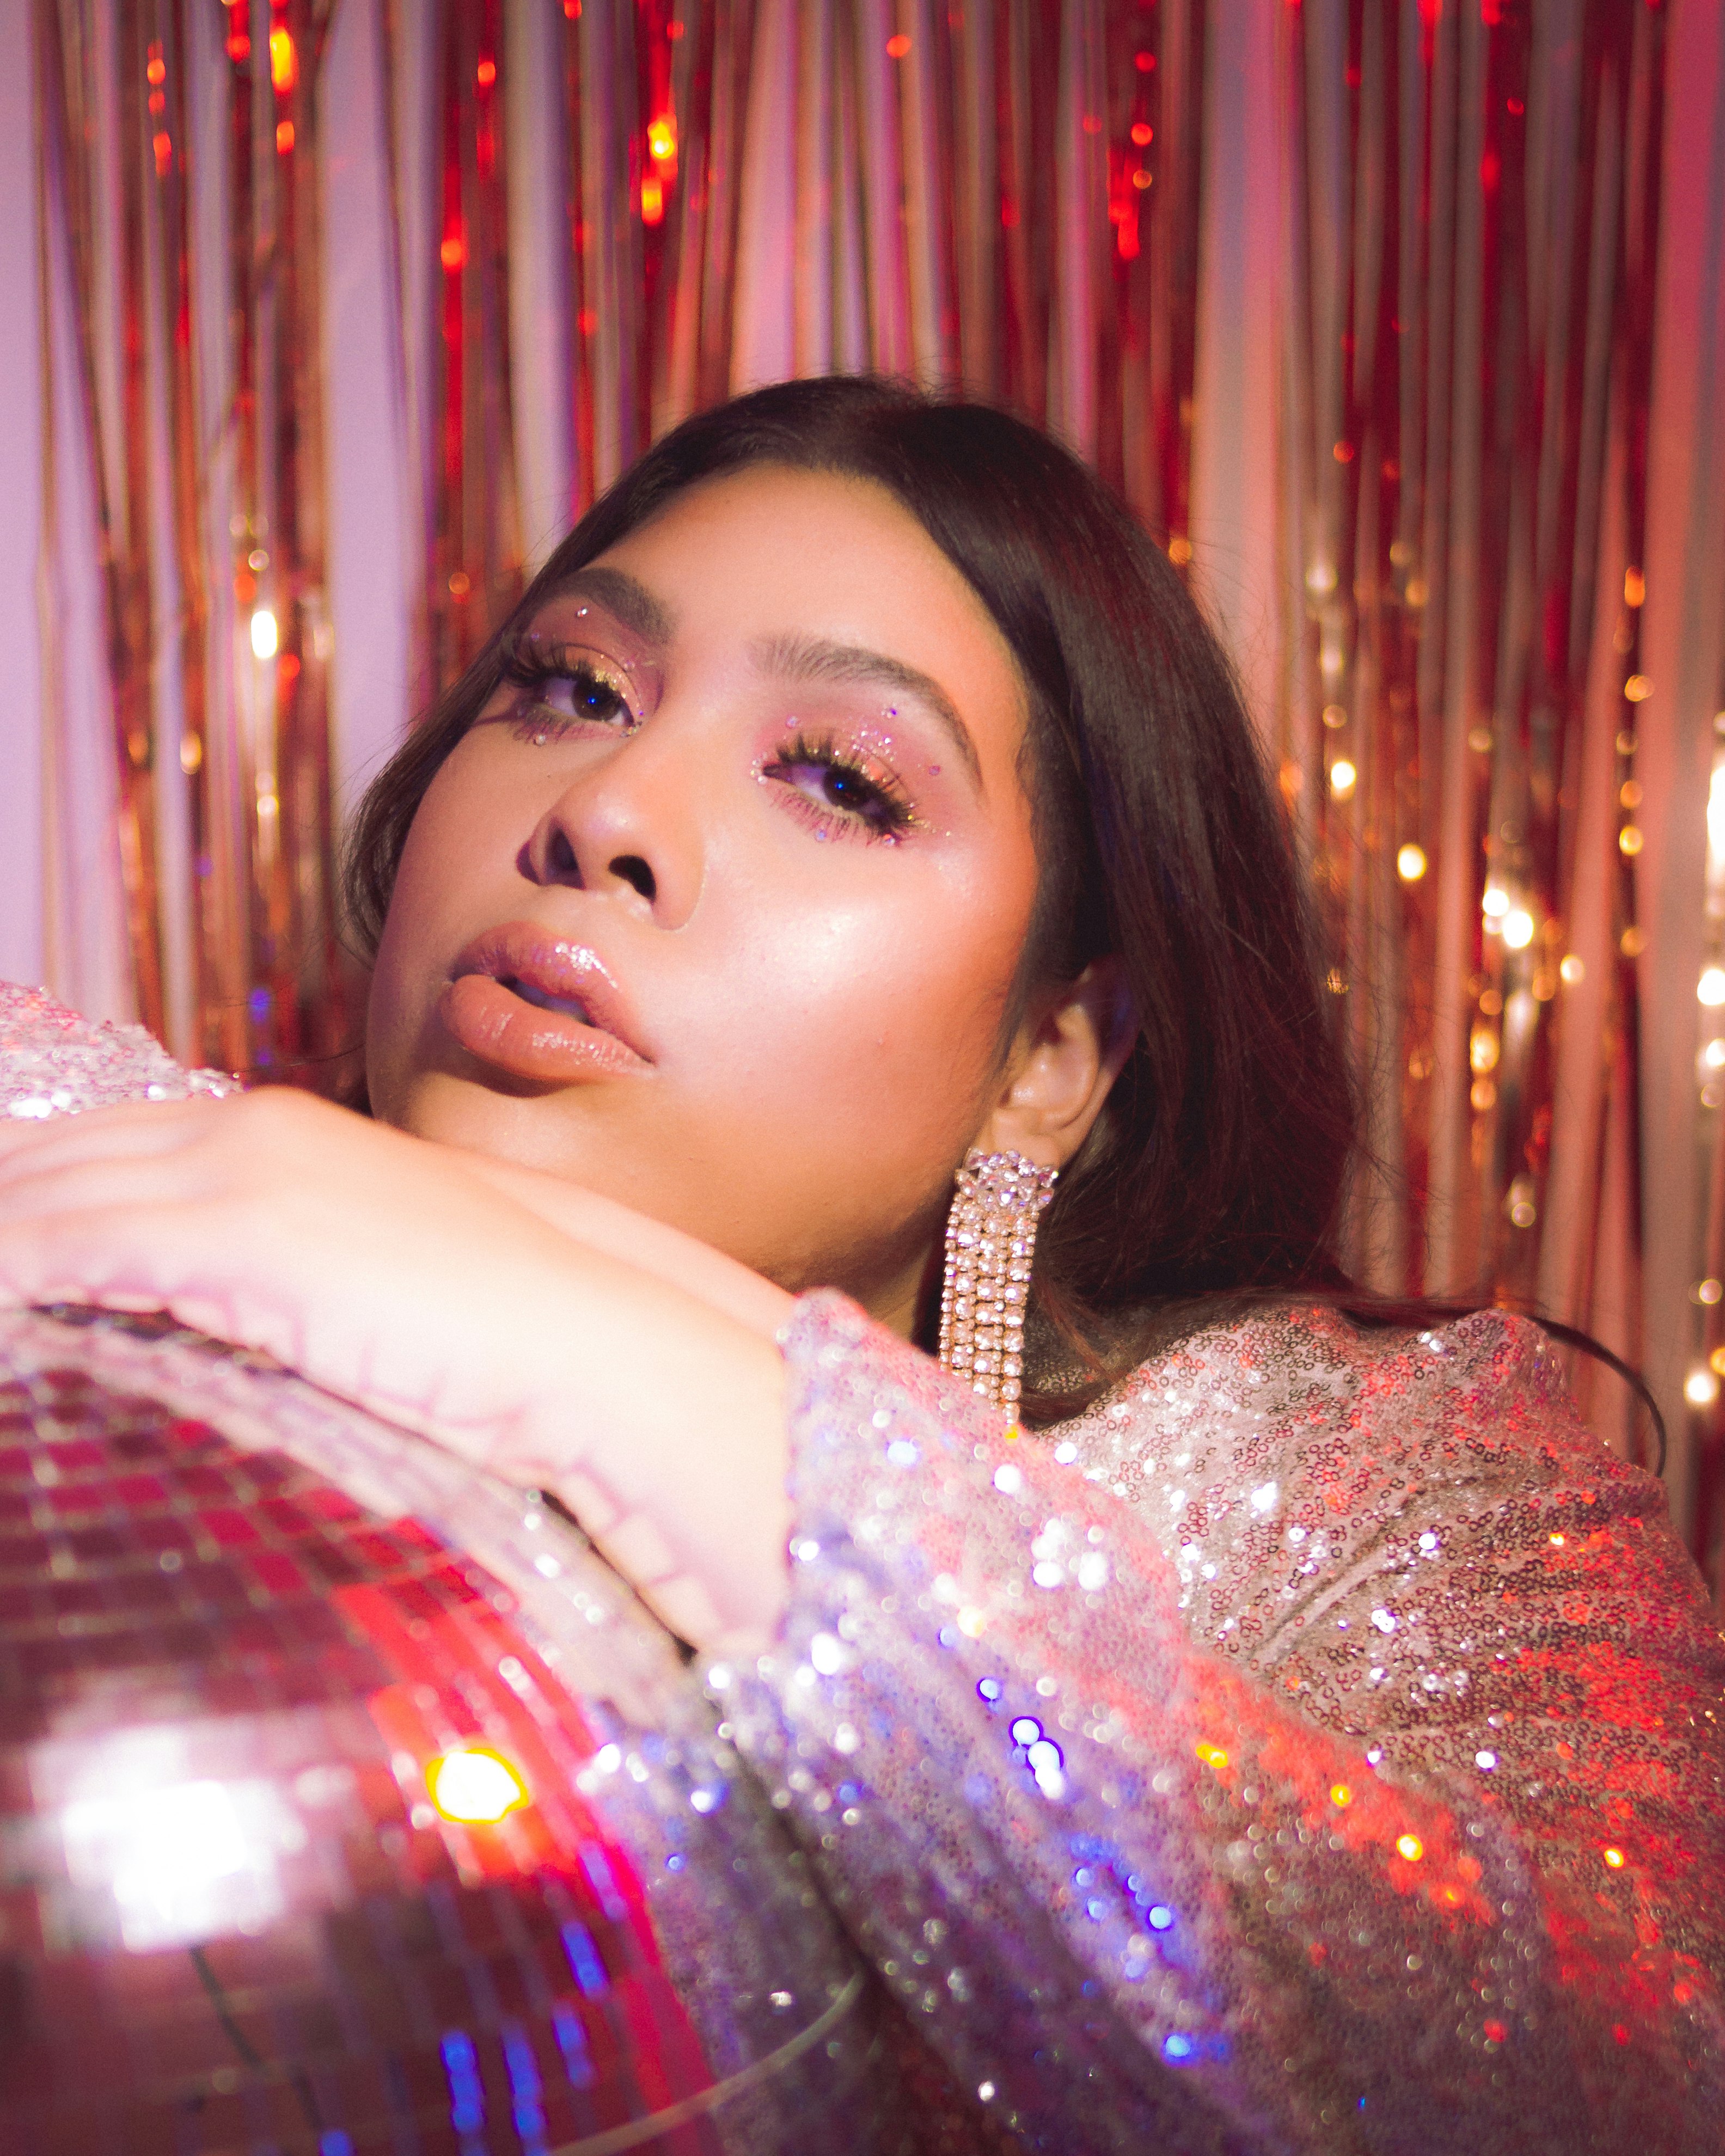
x=564 y=966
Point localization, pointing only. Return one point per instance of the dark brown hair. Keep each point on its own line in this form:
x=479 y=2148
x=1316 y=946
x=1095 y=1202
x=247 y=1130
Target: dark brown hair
x=1217 y=1166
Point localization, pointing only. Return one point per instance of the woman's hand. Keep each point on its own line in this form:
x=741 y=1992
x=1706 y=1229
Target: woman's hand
x=413 y=1280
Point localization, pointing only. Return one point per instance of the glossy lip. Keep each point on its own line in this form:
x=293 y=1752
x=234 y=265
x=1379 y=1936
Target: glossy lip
x=500 y=1027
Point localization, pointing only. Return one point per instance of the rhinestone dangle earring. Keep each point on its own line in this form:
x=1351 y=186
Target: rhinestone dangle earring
x=991 y=1235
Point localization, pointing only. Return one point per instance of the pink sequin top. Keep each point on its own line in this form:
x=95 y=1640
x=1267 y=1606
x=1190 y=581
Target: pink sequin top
x=1316 y=1746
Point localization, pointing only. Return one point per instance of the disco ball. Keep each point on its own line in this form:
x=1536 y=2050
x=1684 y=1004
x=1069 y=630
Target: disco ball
x=350 y=1806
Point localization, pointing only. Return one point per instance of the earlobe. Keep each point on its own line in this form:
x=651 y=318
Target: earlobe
x=1072 y=1047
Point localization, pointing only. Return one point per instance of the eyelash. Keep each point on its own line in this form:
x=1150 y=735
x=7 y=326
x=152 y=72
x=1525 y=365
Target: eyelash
x=530 y=669
x=880 y=791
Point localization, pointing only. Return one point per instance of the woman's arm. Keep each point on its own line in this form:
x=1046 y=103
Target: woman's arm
x=1134 y=1889
x=616 y=1231
x=639 y=1382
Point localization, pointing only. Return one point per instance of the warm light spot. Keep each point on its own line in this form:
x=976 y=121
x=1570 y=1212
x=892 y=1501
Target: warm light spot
x=1142 y=132
x=284 y=137
x=1482 y=1094
x=1212 y=1755
x=1494 y=2032
x=1626 y=743
x=1629 y=793
x=1482 y=1047
x=1344 y=453
x=1637 y=689
x=1701 y=1388
x=897 y=45
x=1709 y=1291
x=1571 y=971
x=190 y=753
x=240 y=46
x=1342 y=777
x=1629 y=839
x=1632 y=942
x=1710 y=989
x=1614 y=1857
x=652 y=200
x=1518 y=930
x=1556 y=1541
x=1495 y=904
x=156 y=72
x=1411 y=1847
x=1141 y=178
x=162 y=146
x=460 y=584
x=1144 y=62
x=571 y=8
x=1341 y=1796
x=662 y=139
x=453 y=251
x=1716 y=1361
x=1410 y=863
x=283 y=61
x=475 y=1787
x=1335 y=716
x=265 y=635
x=486 y=73
x=1179 y=550
x=1634 y=587
x=1335 y=981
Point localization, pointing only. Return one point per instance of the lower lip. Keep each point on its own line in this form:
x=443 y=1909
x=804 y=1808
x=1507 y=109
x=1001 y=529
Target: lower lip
x=494 y=1024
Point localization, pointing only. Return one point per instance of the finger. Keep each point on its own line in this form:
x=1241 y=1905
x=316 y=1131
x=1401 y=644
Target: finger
x=44 y=1189
x=153 y=1258
x=147 y=1127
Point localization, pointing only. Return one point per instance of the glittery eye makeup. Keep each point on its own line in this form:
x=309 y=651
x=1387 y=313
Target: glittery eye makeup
x=841 y=791
x=569 y=686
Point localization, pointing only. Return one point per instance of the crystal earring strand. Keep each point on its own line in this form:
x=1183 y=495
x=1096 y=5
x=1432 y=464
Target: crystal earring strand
x=998 y=1201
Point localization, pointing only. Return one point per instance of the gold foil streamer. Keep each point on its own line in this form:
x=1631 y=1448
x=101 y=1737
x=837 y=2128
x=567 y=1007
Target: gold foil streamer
x=1475 y=208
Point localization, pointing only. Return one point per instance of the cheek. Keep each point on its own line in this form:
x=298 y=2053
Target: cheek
x=449 y=857
x=885 y=1012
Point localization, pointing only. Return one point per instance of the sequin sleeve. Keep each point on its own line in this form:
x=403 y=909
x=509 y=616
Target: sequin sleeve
x=1317 y=1748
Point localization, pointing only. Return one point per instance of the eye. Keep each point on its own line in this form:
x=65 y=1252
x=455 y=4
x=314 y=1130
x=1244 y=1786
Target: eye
x=569 y=689
x=841 y=790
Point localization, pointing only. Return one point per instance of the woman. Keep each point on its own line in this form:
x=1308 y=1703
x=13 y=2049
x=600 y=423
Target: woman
x=1303 y=1737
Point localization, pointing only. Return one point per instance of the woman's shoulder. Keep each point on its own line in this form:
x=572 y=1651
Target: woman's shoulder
x=1301 y=1388
x=1293 y=1460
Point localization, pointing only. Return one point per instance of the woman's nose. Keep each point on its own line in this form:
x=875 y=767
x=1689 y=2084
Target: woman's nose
x=626 y=825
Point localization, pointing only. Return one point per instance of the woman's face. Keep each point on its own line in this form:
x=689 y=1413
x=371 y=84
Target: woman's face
x=717 y=908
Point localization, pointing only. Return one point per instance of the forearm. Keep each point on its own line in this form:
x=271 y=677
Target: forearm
x=666 y=1254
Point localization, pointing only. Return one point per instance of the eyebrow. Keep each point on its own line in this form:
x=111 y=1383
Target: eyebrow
x=624 y=596
x=819 y=659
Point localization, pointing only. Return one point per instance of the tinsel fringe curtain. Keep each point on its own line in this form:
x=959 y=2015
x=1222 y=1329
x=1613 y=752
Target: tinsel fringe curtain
x=1385 y=314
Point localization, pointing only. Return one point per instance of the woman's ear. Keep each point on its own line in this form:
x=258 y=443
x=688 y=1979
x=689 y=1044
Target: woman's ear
x=1073 y=1044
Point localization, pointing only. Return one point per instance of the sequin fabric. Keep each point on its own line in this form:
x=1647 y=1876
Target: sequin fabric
x=54 y=1063
x=1315 y=1747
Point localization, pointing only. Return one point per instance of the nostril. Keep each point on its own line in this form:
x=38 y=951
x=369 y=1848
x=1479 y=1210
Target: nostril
x=560 y=859
x=634 y=871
